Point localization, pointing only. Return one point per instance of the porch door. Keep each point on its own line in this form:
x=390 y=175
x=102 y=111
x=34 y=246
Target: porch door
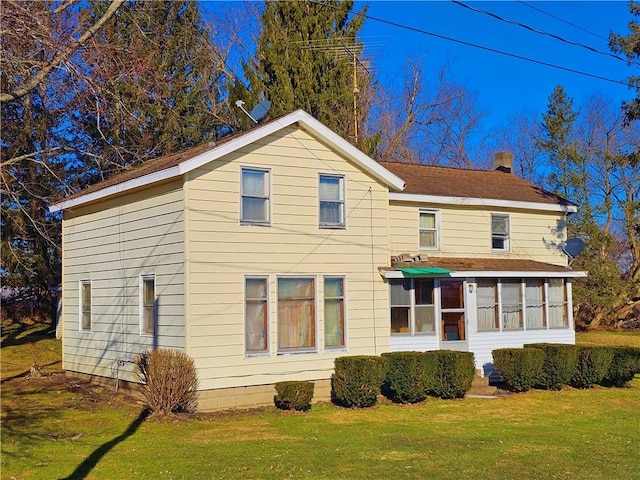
x=453 y=324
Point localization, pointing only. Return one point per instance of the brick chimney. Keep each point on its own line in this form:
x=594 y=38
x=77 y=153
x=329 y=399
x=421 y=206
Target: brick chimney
x=503 y=161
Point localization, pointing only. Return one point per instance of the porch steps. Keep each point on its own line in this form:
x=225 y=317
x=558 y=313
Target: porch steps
x=481 y=388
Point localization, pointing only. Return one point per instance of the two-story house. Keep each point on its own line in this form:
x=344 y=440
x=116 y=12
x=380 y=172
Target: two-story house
x=269 y=254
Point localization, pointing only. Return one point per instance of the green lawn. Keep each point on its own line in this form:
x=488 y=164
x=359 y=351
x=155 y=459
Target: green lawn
x=55 y=428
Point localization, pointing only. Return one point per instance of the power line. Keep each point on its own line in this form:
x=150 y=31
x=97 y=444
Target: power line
x=481 y=47
x=540 y=32
x=562 y=20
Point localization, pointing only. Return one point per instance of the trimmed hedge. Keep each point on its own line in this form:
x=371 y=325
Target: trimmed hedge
x=559 y=364
x=593 y=364
x=452 y=373
x=294 y=395
x=357 y=380
x=408 y=377
x=520 y=368
x=624 y=365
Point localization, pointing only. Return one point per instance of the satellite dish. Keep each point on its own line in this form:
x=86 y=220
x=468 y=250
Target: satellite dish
x=258 y=112
x=573 y=247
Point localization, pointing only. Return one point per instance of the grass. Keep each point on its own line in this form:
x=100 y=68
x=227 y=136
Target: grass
x=58 y=428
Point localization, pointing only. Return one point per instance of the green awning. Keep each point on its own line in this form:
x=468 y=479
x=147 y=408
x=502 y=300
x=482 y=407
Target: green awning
x=425 y=272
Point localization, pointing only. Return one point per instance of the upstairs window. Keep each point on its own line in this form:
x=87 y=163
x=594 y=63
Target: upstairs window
x=428 y=230
x=500 y=233
x=148 y=305
x=331 y=197
x=255 y=197
x=85 y=305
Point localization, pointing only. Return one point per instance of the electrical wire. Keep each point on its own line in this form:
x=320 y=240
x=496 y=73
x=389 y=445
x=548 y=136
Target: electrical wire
x=540 y=32
x=562 y=20
x=481 y=47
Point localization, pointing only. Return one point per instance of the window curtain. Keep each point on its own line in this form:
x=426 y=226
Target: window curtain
x=331 y=202
x=534 y=298
x=148 y=302
x=511 y=305
x=487 y=304
x=296 y=313
x=427 y=229
x=86 y=306
x=255 y=203
x=557 y=303
x=333 y=312
x=256 y=333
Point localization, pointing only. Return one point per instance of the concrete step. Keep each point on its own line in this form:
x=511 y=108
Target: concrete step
x=481 y=387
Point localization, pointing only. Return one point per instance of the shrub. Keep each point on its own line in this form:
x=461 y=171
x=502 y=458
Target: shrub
x=357 y=380
x=624 y=365
x=408 y=378
x=593 y=364
x=169 y=381
x=520 y=368
x=294 y=395
x=559 y=364
x=452 y=373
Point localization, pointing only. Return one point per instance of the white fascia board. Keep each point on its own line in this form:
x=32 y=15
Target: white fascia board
x=496 y=274
x=243 y=140
x=483 y=202
x=115 y=189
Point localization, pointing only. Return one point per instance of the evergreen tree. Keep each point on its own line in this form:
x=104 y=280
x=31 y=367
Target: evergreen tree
x=154 y=85
x=305 y=60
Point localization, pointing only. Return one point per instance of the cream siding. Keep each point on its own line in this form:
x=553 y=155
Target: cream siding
x=466 y=232
x=112 y=244
x=220 y=252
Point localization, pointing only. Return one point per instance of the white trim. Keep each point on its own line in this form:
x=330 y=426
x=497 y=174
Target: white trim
x=497 y=273
x=303 y=119
x=344 y=347
x=293 y=351
x=269 y=198
x=267 y=351
x=507 y=236
x=343 y=194
x=81 y=306
x=484 y=202
x=436 y=213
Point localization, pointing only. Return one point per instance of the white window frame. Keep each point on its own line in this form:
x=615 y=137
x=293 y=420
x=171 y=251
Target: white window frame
x=143 y=331
x=293 y=350
x=565 y=304
x=436 y=229
x=342 y=224
x=266 y=196
x=412 y=308
x=344 y=312
x=81 y=306
x=267 y=302
x=506 y=238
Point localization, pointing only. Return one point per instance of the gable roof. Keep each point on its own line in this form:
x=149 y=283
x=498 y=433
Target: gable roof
x=433 y=184
x=178 y=164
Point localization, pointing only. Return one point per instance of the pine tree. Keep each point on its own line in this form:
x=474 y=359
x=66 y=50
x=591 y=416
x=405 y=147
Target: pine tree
x=154 y=85
x=305 y=60
x=629 y=45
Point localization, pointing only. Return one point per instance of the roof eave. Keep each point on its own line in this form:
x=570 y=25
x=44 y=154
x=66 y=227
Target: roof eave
x=498 y=274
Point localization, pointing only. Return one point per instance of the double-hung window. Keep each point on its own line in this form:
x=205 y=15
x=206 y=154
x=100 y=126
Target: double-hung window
x=334 y=312
x=148 y=305
x=85 y=305
x=256 y=314
x=412 y=306
x=255 y=196
x=428 y=230
x=558 y=314
x=331 y=199
x=296 y=314
x=500 y=233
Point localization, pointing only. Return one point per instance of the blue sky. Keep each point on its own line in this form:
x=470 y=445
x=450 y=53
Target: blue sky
x=504 y=85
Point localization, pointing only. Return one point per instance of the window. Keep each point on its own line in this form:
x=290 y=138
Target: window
x=500 y=232
x=331 y=197
x=256 y=310
x=511 y=296
x=400 y=294
x=85 y=305
x=254 y=197
x=296 y=314
x=148 y=305
x=453 y=321
x=558 y=315
x=424 y=313
x=534 y=301
x=412 y=306
x=487 y=304
x=334 y=312
x=428 y=230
